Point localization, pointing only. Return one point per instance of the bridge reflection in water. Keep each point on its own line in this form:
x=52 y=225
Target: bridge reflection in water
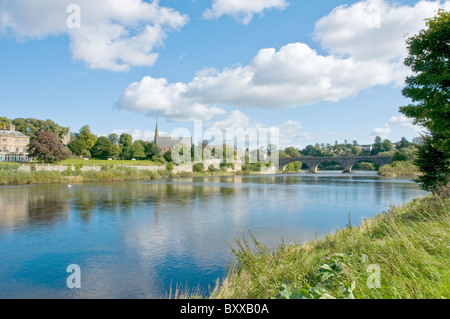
x=346 y=161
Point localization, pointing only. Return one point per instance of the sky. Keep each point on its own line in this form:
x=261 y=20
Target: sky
x=319 y=71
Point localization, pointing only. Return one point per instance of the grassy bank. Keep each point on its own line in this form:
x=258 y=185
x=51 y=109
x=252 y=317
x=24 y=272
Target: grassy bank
x=399 y=169
x=108 y=173
x=11 y=175
x=408 y=246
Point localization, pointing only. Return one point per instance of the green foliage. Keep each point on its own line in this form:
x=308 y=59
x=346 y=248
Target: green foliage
x=252 y=167
x=86 y=136
x=429 y=86
x=212 y=169
x=399 y=169
x=198 y=167
x=83 y=143
x=226 y=165
x=48 y=147
x=429 y=90
x=168 y=156
x=125 y=144
x=434 y=163
x=282 y=154
x=31 y=127
x=338 y=149
x=364 y=166
x=408 y=244
x=382 y=147
x=292 y=151
x=294 y=167
x=158 y=159
x=137 y=150
x=103 y=149
x=79 y=147
x=404 y=143
x=407 y=153
x=4 y=122
x=113 y=138
x=151 y=149
x=330 y=274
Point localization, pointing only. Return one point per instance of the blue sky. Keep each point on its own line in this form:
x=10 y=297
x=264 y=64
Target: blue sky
x=319 y=71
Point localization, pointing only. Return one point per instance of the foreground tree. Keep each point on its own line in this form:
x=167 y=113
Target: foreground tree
x=434 y=163
x=48 y=147
x=429 y=90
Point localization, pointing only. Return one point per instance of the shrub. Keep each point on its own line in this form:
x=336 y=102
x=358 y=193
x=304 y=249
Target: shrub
x=198 y=167
x=212 y=169
x=294 y=167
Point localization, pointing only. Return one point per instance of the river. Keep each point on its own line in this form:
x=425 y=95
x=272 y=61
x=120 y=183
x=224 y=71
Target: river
x=141 y=239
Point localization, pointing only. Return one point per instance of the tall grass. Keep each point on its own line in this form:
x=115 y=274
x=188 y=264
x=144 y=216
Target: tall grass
x=108 y=173
x=409 y=245
x=93 y=162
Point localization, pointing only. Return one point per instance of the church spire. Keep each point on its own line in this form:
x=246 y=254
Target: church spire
x=156 y=130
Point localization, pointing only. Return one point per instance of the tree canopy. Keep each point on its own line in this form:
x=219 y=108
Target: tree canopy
x=429 y=89
x=47 y=146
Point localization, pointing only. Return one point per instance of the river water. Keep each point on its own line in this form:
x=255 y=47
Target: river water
x=141 y=239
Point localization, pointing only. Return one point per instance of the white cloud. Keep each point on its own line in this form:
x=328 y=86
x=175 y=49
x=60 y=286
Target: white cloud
x=290 y=132
x=373 y=29
x=382 y=132
x=114 y=35
x=294 y=75
x=242 y=10
x=146 y=135
x=394 y=125
x=157 y=97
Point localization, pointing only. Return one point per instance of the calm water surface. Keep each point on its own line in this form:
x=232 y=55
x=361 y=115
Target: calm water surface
x=139 y=239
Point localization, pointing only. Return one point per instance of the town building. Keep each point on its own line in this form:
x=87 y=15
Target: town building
x=167 y=143
x=367 y=147
x=13 y=145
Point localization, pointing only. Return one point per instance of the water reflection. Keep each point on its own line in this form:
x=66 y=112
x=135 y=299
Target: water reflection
x=136 y=239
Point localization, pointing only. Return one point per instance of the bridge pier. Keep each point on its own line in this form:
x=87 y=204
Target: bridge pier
x=347 y=170
x=313 y=169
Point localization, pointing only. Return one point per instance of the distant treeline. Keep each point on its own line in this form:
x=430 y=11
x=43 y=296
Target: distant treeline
x=46 y=147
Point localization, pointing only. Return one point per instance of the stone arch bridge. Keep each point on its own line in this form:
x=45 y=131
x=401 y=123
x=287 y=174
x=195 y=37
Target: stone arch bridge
x=346 y=161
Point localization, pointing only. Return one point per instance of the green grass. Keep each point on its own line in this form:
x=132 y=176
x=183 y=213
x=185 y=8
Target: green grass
x=410 y=245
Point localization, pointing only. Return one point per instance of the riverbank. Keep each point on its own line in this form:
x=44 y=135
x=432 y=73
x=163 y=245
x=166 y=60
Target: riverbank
x=105 y=174
x=106 y=171
x=400 y=254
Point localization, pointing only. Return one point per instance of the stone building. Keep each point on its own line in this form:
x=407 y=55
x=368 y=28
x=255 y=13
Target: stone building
x=13 y=145
x=167 y=143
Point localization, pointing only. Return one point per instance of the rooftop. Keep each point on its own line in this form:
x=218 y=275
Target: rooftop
x=12 y=134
